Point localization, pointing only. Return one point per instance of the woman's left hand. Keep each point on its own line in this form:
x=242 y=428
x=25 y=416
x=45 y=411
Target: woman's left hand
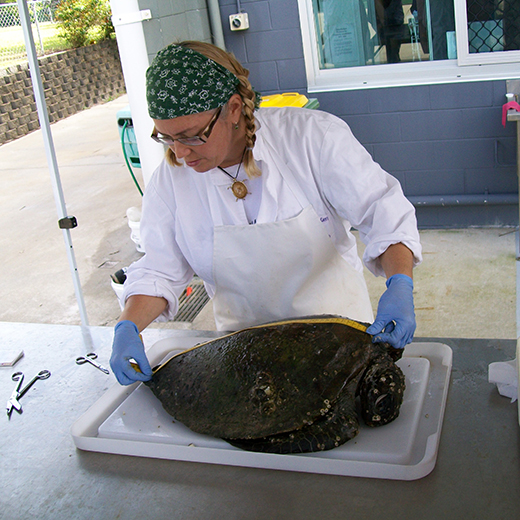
x=395 y=320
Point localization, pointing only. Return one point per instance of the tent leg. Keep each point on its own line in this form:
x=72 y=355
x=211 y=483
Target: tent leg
x=43 y=117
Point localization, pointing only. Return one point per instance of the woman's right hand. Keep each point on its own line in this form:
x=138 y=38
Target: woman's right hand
x=129 y=346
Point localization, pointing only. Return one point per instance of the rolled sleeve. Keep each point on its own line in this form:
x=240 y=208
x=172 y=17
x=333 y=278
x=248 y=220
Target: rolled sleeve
x=163 y=271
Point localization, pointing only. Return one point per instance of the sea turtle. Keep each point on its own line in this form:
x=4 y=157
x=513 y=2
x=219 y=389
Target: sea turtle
x=284 y=387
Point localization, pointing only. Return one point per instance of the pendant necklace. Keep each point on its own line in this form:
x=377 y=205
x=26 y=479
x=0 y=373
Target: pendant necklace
x=238 y=188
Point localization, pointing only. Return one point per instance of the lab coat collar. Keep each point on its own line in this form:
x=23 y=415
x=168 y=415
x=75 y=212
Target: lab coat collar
x=219 y=178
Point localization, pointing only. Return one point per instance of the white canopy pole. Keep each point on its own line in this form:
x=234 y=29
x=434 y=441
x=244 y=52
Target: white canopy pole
x=65 y=222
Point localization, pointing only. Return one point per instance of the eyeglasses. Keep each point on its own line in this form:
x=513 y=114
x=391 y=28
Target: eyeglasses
x=197 y=140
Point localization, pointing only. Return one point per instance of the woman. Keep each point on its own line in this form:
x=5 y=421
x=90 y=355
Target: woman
x=260 y=203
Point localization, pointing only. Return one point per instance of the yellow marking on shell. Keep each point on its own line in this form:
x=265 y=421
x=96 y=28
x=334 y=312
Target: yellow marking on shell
x=342 y=321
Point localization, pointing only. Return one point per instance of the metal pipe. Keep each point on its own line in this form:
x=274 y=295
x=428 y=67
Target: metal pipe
x=216 y=24
x=430 y=33
x=37 y=23
x=464 y=200
x=41 y=106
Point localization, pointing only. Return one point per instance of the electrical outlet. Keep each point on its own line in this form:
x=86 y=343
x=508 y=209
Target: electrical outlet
x=238 y=22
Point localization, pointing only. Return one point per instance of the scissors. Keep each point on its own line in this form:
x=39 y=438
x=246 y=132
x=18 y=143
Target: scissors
x=13 y=403
x=89 y=358
x=14 y=400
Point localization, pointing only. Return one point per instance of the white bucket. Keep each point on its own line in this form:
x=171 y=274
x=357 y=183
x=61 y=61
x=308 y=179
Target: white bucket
x=134 y=223
x=118 y=289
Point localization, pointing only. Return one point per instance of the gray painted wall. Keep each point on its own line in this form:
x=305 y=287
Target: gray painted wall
x=174 y=20
x=438 y=140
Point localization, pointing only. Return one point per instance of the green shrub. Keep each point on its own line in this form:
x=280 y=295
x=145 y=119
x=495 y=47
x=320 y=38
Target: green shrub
x=83 y=22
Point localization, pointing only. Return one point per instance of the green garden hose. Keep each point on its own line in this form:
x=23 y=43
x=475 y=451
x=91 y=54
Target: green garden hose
x=125 y=124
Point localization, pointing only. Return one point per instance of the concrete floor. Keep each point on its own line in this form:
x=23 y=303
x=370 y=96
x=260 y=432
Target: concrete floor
x=465 y=287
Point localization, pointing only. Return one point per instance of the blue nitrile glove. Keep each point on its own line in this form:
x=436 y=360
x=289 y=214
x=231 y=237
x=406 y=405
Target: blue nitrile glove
x=395 y=313
x=128 y=345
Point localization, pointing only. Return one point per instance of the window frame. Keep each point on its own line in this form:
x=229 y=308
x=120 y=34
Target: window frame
x=464 y=57
x=467 y=66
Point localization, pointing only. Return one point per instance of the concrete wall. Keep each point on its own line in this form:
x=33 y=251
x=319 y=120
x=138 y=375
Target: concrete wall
x=174 y=20
x=438 y=140
x=72 y=81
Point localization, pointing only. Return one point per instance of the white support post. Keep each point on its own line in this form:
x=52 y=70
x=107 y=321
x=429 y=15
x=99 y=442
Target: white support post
x=128 y=22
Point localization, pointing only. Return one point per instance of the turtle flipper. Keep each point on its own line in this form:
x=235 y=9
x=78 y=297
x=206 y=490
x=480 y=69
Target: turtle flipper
x=338 y=425
x=381 y=392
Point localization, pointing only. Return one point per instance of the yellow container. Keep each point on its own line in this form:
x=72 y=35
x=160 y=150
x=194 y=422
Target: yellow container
x=288 y=99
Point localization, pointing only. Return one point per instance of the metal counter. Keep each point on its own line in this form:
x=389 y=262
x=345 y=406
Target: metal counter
x=477 y=474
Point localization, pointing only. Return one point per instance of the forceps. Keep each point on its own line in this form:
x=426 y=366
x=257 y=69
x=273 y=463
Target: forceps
x=14 y=400
x=89 y=358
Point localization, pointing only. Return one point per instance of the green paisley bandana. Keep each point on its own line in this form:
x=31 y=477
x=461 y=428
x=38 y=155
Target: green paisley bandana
x=181 y=81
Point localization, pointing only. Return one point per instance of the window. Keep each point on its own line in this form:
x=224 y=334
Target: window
x=489 y=31
x=373 y=43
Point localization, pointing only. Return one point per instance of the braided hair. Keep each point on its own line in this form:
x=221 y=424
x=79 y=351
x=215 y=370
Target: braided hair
x=250 y=98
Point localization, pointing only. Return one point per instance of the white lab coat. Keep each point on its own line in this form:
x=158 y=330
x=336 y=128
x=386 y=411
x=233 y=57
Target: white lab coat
x=345 y=187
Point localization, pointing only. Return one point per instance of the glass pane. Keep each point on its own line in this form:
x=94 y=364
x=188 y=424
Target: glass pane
x=493 y=25
x=354 y=33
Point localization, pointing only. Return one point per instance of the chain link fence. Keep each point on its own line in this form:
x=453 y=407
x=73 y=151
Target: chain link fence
x=44 y=29
x=493 y=25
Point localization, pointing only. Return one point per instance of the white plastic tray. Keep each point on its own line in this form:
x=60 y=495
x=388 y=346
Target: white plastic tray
x=131 y=421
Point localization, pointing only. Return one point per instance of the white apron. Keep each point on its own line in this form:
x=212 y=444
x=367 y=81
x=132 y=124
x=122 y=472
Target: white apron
x=278 y=270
